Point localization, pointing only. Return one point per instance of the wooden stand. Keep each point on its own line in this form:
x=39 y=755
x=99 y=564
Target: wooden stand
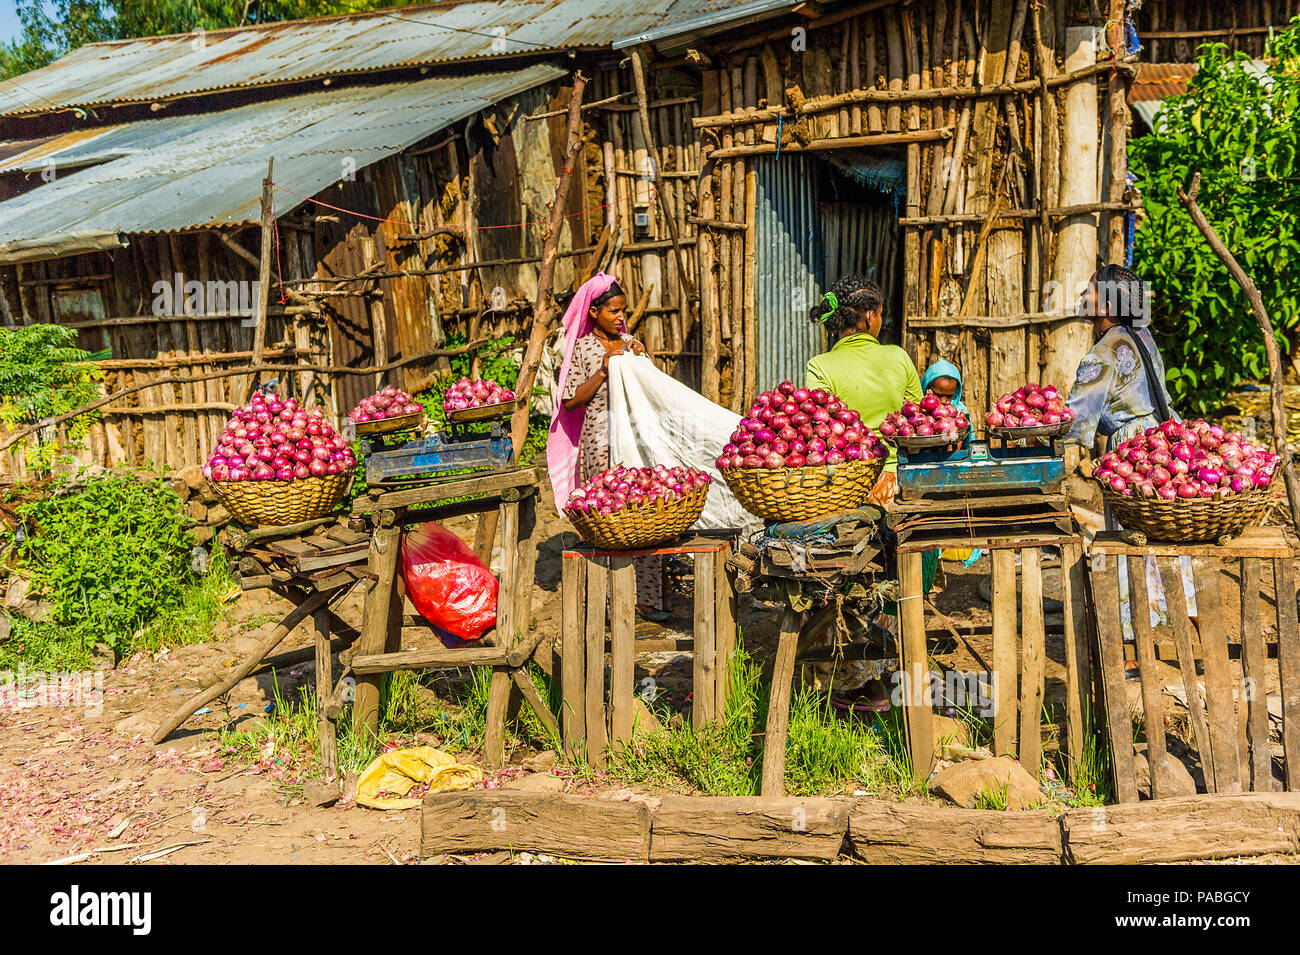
x=1017 y=677
x=591 y=579
x=1230 y=722
x=505 y=648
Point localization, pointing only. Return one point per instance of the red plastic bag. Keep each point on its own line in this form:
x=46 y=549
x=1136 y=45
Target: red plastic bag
x=448 y=584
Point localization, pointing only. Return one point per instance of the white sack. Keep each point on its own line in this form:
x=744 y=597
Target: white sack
x=655 y=419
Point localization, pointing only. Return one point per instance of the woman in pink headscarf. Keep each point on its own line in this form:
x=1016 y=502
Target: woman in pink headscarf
x=578 y=444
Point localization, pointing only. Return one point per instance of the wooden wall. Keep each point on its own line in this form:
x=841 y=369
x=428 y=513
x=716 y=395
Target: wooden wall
x=992 y=159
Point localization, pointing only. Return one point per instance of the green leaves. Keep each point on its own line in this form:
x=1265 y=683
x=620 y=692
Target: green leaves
x=1242 y=136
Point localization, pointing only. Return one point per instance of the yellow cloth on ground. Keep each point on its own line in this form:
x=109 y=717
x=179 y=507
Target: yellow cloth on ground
x=397 y=772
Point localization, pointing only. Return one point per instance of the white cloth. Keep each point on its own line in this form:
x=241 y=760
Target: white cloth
x=655 y=419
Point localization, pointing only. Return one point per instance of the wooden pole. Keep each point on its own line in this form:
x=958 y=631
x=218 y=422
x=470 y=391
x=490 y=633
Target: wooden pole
x=689 y=295
x=1117 y=94
x=544 y=307
x=1277 y=379
x=264 y=270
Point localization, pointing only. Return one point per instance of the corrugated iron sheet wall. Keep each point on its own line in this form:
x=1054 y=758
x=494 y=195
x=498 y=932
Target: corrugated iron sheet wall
x=790 y=268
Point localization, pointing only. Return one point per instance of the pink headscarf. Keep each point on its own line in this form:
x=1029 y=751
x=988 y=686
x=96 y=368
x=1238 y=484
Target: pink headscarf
x=566 y=426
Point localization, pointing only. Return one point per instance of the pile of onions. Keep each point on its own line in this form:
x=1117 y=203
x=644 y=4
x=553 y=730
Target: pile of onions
x=1029 y=406
x=928 y=418
x=270 y=439
x=388 y=402
x=467 y=393
x=1185 y=460
x=791 y=427
x=620 y=488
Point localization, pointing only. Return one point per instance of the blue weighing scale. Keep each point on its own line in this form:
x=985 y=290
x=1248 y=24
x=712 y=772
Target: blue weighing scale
x=398 y=458
x=984 y=466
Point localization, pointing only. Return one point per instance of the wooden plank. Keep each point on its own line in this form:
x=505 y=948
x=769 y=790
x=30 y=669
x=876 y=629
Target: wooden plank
x=1183 y=829
x=1288 y=659
x=714 y=829
x=325 y=560
x=1263 y=542
x=329 y=750
x=573 y=654
x=431 y=658
x=778 y=710
x=492 y=483
x=494 y=734
x=1254 y=664
x=725 y=601
x=883 y=832
x=1033 y=660
x=597 y=586
x=507 y=625
x=1110 y=641
x=1219 y=685
x=704 y=661
x=1176 y=602
x=622 y=636
x=385 y=548
x=914 y=667
x=1153 y=711
x=1078 y=675
x=576 y=827
x=534 y=699
x=1004 y=652
x=526 y=566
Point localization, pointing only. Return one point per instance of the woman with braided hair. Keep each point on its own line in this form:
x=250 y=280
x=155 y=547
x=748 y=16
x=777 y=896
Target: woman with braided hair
x=871 y=378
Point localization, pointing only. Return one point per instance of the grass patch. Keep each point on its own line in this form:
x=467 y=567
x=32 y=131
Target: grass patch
x=993 y=796
x=824 y=751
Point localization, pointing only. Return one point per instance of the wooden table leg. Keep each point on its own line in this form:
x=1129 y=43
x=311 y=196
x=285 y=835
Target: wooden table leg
x=376 y=618
x=778 y=710
x=597 y=719
x=914 y=667
x=1005 y=669
x=705 y=659
x=724 y=597
x=1033 y=660
x=1077 y=676
x=573 y=654
x=1288 y=661
x=494 y=735
x=525 y=564
x=622 y=650
x=329 y=751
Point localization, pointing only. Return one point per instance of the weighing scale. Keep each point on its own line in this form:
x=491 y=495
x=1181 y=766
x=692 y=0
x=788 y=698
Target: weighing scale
x=989 y=465
x=398 y=453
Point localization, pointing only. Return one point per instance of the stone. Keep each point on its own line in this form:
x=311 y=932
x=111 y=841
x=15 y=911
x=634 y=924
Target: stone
x=203 y=533
x=198 y=511
x=542 y=762
x=192 y=477
x=137 y=724
x=20 y=599
x=963 y=782
x=218 y=515
x=1180 y=779
x=643 y=718
x=535 y=783
x=321 y=794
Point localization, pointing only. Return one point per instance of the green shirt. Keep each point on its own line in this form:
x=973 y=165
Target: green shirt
x=871 y=378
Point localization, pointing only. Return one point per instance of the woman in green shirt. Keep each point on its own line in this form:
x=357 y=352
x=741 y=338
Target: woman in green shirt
x=871 y=378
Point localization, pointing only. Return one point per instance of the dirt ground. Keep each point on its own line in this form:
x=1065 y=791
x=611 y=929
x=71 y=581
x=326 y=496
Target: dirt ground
x=87 y=785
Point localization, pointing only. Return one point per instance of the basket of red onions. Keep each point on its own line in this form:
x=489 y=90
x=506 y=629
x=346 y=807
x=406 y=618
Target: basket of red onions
x=1187 y=481
x=469 y=400
x=801 y=453
x=1030 y=411
x=389 y=409
x=925 y=424
x=276 y=463
x=624 y=508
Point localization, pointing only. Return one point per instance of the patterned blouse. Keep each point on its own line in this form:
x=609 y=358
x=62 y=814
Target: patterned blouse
x=593 y=445
x=1110 y=394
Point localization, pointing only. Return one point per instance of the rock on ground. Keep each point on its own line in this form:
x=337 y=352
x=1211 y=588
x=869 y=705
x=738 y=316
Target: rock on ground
x=1179 y=777
x=963 y=782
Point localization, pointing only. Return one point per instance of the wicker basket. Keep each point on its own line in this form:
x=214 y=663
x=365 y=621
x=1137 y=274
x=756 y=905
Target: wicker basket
x=1189 y=520
x=800 y=494
x=641 y=526
x=274 y=503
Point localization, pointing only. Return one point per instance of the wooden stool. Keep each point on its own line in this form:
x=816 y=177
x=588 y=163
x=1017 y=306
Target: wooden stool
x=589 y=576
x=1012 y=736
x=1234 y=748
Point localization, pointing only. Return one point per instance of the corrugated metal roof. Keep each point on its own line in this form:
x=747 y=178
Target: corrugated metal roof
x=1155 y=81
x=207 y=170
x=687 y=26
x=154 y=68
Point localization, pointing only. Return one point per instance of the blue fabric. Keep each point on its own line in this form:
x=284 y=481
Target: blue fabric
x=945 y=369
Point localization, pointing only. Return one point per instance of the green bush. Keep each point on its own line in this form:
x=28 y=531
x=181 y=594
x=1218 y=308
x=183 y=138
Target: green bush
x=113 y=555
x=44 y=374
x=1242 y=136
